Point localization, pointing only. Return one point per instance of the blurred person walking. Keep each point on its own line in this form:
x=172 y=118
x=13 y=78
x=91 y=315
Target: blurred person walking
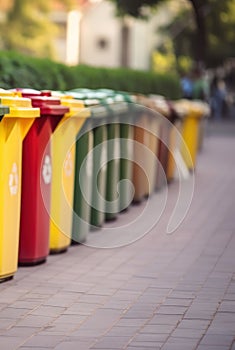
x=218 y=95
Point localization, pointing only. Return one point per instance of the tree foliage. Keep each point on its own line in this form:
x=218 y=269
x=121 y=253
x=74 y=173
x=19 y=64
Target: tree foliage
x=28 y=28
x=210 y=30
x=220 y=26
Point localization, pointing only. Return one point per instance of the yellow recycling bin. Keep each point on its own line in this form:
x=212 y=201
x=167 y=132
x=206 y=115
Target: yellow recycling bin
x=14 y=126
x=190 y=131
x=63 y=173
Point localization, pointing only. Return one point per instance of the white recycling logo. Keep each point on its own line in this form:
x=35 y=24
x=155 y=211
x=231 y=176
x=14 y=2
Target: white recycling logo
x=13 y=180
x=47 y=170
x=68 y=164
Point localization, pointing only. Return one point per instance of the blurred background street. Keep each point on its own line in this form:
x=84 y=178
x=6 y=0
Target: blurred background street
x=107 y=59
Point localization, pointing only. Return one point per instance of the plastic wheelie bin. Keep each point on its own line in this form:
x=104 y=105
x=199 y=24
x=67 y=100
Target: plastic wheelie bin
x=99 y=178
x=13 y=129
x=83 y=182
x=163 y=154
x=63 y=173
x=126 y=158
x=145 y=149
x=113 y=154
x=36 y=182
x=190 y=131
x=139 y=153
x=174 y=141
x=126 y=112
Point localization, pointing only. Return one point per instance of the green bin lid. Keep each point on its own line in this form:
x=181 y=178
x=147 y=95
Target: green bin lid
x=99 y=111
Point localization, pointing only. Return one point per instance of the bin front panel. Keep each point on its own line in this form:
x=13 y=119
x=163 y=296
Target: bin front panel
x=36 y=187
x=190 y=137
x=11 y=162
x=63 y=172
x=112 y=207
x=141 y=136
x=99 y=176
x=13 y=128
x=126 y=165
x=82 y=186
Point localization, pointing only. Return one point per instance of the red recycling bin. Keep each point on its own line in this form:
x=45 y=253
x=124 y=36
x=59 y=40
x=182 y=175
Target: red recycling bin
x=36 y=182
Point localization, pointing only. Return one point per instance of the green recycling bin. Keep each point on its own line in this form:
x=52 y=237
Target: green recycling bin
x=113 y=164
x=83 y=184
x=99 y=119
x=126 y=123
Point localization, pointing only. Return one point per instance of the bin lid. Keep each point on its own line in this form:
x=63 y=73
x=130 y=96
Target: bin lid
x=4 y=110
x=194 y=109
x=99 y=111
x=57 y=93
x=39 y=101
x=72 y=103
x=23 y=112
x=53 y=110
x=15 y=101
x=76 y=108
x=6 y=92
x=77 y=95
x=91 y=102
x=118 y=107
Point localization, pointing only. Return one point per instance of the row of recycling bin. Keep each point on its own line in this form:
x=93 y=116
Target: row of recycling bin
x=68 y=160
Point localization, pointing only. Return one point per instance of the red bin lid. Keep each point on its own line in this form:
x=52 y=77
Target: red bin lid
x=27 y=92
x=56 y=110
x=39 y=101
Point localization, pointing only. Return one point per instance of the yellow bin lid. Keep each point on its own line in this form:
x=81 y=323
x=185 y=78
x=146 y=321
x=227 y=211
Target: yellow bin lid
x=15 y=101
x=77 y=108
x=23 y=112
x=9 y=93
x=72 y=103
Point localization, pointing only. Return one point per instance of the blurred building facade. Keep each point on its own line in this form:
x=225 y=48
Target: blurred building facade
x=92 y=34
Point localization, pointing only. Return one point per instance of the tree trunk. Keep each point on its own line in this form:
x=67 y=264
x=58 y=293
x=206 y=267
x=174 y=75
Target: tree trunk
x=125 y=41
x=200 y=8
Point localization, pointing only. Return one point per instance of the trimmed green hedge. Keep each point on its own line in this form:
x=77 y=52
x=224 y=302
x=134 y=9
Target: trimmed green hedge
x=22 y=71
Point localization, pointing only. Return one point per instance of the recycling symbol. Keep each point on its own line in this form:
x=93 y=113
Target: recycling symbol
x=13 y=180
x=68 y=164
x=47 y=170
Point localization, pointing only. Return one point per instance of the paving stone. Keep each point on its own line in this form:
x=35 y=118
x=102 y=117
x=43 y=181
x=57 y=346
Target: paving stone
x=171 y=310
x=33 y=320
x=6 y=323
x=10 y=343
x=194 y=324
x=213 y=347
x=188 y=333
x=23 y=332
x=180 y=346
x=43 y=341
x=151 y=337
x=158 y=328
x=52 y=311
x=70 y=345
x=144 y=345
x=165 y=319
x=117 y=331
x=111 y=343
x=13 y=313
x=217 y=340
x=177 y=302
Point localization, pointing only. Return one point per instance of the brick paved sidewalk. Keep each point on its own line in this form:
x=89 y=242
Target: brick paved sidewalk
x=169 y=292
